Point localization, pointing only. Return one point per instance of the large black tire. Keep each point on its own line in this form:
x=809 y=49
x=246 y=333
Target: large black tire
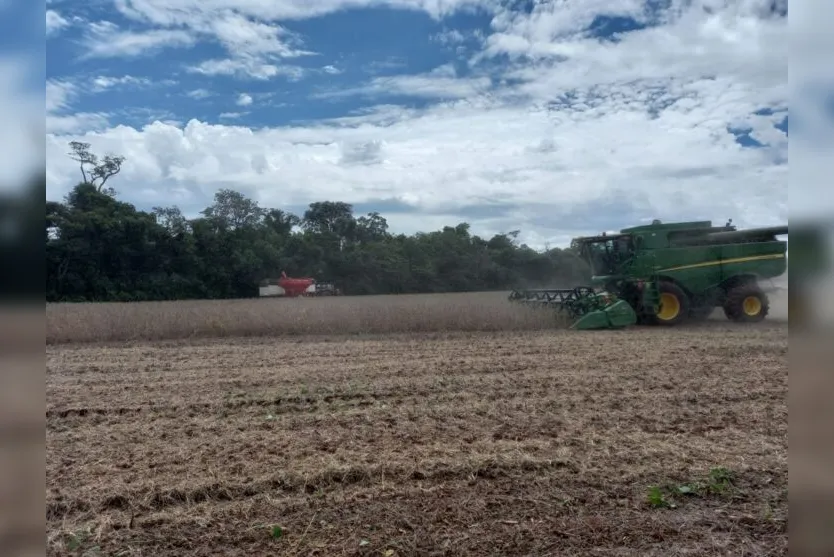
x=674 y=305
x=746 y=303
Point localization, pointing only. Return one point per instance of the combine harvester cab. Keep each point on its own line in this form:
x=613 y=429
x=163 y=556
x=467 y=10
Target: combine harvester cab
x=668 y=274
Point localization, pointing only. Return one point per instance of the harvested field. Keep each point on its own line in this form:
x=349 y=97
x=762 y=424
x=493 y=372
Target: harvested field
x=462 y=443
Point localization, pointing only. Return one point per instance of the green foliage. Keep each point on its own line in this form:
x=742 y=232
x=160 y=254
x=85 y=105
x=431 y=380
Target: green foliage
x=656 y=498
x=718 y=483
x=101 y=249
x=720 y=480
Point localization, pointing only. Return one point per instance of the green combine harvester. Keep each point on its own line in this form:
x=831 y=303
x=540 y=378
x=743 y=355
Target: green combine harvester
x=668 y=274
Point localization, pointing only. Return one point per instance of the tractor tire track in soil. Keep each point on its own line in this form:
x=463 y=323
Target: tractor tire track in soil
x=541 y=443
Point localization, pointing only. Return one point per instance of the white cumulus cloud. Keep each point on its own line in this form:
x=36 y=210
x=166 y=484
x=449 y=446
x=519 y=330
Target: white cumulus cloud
x=59 y=119
x=105 y=82
x=549 y=130
x=246 y=67
x=55 y=22
x=442 y=82
x=185 y=12
x=106 y=40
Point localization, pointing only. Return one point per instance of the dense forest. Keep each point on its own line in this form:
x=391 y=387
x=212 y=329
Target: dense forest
x=99 y=248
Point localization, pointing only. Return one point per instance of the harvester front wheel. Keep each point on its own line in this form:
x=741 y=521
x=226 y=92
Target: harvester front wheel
x=674 y=305
x=746 y=303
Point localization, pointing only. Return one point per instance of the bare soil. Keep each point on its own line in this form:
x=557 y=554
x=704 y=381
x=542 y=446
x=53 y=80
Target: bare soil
x=489 y=443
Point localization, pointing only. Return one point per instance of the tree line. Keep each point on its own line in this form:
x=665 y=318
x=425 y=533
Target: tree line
x=99 y=248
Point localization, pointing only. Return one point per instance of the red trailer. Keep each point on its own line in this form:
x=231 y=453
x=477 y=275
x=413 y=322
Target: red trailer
x=295 y=286
x=288 y=287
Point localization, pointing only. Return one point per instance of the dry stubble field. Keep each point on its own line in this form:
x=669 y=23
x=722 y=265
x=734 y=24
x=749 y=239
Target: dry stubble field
x=457 y=442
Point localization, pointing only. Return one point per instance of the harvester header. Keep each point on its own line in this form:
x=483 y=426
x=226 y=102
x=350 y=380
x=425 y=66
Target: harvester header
x=669 y=273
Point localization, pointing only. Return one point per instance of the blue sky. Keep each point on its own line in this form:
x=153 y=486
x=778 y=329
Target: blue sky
x=346 y=49
x=556 y=117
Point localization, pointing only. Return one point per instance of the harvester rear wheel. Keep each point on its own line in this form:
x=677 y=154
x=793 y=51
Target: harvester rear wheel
x=746 y=303
x=674 y=305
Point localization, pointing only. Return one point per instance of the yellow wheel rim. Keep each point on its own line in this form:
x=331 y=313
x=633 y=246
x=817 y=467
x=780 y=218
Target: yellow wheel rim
x=670 y=307
x=751 y=306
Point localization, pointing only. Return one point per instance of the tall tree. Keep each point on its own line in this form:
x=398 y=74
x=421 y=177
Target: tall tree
x=99 y=171
x=333 y=221
x=371 y=228
x=232 y=209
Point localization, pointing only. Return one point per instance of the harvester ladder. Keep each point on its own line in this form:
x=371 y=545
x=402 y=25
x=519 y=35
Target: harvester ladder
x=650 y=297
